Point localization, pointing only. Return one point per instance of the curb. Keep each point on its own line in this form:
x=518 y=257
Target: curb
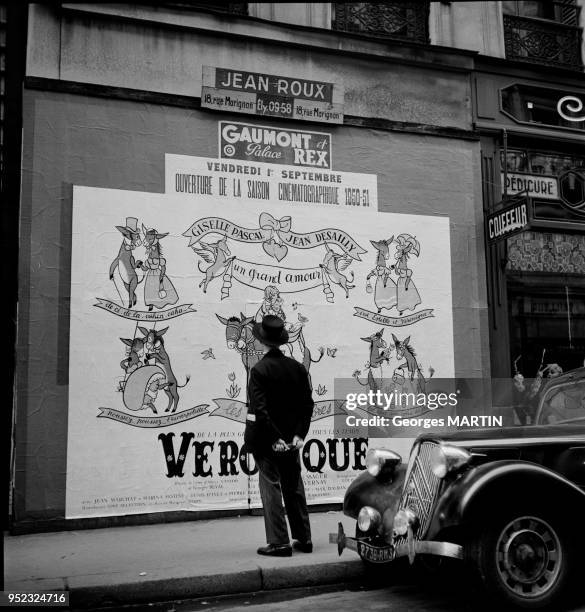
x=132 y=591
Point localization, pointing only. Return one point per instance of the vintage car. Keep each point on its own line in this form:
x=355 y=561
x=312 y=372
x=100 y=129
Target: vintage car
x=509 y=502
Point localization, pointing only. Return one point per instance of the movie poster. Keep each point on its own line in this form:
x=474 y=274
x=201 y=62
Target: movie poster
x=165 y=289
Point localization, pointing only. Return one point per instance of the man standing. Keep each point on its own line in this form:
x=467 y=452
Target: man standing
x=279 y=416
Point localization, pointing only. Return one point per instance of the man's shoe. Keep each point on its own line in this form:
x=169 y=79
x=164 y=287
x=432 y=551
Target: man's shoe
x=306 y=547
x=276 y=550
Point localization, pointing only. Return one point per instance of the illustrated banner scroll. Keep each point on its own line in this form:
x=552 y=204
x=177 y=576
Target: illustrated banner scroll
x=126 y=313
x=269 y=225
x=158 y=421
x=236 y=410
x=257 y=276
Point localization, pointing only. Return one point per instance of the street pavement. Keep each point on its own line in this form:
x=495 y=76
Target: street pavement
x=150 y=563
x=408 y=597
x=212 y=566
x=405 y=595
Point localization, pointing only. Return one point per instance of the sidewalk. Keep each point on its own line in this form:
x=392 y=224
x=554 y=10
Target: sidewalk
x=147 y=563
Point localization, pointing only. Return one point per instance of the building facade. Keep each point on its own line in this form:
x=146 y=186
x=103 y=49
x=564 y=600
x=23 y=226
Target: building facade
x=188 y=167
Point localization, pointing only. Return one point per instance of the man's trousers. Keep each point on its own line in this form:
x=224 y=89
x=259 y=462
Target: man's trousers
x=280 y=478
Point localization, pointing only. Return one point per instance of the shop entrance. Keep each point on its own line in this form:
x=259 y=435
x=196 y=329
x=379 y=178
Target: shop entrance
x=546 y=313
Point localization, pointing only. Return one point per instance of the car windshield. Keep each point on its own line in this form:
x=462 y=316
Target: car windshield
x=564 y=404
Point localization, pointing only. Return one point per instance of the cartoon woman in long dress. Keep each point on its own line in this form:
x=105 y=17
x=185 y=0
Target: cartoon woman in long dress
x=385 y=288
x=407 y=295
x=158 y=289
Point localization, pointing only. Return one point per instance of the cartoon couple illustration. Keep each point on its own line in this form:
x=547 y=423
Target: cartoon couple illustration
x=158 y=289
x=402 y=294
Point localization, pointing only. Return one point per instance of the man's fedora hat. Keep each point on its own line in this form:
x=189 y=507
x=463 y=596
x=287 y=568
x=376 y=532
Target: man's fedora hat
x=271 y=331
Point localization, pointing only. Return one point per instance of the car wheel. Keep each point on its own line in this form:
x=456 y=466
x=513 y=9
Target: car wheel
x=523 y=559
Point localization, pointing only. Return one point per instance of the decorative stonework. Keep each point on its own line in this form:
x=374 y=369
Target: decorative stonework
x=540 y=252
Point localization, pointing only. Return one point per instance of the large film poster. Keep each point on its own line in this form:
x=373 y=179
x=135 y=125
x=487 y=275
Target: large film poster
x=165 y=289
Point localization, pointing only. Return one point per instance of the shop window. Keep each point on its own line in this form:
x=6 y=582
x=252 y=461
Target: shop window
x=553 y=253
x=547 y=322
x=402 y=20
x=543 y=32
x=517 y=161
x=536 y=162
x=544 y=163
x=529 y=104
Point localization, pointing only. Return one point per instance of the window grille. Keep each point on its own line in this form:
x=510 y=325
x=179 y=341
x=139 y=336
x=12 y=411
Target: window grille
x=543 y=33
x=401 y=20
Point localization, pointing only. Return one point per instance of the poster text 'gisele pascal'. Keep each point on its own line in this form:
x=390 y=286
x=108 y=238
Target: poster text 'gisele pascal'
x=338 y=454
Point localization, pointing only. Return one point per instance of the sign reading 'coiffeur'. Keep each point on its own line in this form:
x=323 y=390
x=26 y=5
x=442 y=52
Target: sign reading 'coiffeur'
x=507 y=221
x=270 y=95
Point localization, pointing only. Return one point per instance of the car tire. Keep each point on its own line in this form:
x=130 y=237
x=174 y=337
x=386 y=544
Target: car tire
x=523 y=558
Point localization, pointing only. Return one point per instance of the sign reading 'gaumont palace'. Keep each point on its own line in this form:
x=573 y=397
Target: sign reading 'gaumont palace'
x=269 y=95
x=275 y=146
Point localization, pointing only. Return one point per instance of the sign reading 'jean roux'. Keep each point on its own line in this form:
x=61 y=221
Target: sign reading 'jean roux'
x=507 y=221
x=270 y=95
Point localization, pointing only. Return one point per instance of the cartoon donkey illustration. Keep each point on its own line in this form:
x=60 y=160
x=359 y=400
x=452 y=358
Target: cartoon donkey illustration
x=135 y=353
x=218 y=255
x=334 y=264
x=124 y=262
x=155 y=349
x=239 y=336
x=379 y=352
x=385 y=289
x=405 y=351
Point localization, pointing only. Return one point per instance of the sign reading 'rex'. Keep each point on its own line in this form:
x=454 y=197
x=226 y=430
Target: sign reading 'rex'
x=262 y=143
x=255 y=93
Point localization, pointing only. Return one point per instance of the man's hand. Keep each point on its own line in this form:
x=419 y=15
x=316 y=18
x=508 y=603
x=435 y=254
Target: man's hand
x=297 y=443
x=280 y=446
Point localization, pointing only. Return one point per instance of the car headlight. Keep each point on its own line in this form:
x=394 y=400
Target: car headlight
x=404 y=519
x=447 y=458
x=368 y=519
x=381 y=461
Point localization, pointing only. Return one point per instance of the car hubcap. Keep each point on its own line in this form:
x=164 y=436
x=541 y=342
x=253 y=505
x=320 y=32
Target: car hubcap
x=529 y=556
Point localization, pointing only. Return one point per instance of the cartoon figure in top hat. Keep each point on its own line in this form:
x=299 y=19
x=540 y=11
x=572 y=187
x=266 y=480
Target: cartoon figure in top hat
x=385 y=287
x=124 y=262
x=158 y=289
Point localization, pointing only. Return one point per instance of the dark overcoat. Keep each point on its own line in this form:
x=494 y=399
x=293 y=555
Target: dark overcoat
x=280 y=402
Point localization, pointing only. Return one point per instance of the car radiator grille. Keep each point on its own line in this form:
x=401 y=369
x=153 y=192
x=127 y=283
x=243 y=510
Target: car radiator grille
x=421 y=488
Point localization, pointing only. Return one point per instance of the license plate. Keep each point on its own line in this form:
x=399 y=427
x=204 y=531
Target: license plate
x=375 y=554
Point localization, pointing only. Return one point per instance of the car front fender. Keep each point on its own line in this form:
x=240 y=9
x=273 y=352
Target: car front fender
x=367 y=490
x=482 y=490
